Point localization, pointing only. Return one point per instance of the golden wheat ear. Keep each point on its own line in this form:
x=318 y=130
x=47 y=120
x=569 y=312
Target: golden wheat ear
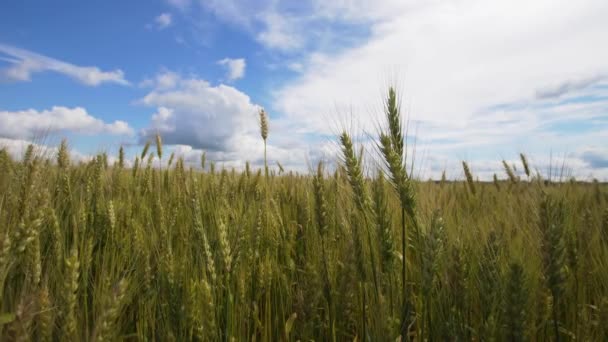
x=264 y=134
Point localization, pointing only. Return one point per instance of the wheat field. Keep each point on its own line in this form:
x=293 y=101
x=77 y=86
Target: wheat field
x=94 y=252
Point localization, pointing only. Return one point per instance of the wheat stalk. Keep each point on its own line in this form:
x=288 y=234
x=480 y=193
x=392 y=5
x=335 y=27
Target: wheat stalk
x=264 y=134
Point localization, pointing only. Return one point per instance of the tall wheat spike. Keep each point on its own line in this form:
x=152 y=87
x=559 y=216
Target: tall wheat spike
x=393 y=151
x=551 y=225
x=264 y=134
x=322 y=223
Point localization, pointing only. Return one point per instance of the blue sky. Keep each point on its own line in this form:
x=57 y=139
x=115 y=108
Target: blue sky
x=480 y=81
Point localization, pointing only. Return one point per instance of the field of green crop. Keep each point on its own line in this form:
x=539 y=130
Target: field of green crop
x=104 y=252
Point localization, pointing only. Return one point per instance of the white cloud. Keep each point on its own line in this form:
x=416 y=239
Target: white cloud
x=16 y=149
x=475 y=75
x=25 y=63
x=30 y=124
x=281 y=26
x=163 y=80
x=271 y=27
x=295 y=67
x=193 y=112
x=194 y=115
x=163 y=21
x=235 y=67
x=452 y=68
x=278 y=32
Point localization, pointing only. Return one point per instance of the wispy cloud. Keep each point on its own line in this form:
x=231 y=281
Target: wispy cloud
x=25 y=63
x=163 y=21
x=278 y=32
x=235 y=67
x=288 y=28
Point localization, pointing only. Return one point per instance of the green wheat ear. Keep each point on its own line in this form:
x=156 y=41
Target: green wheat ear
x=63 y=155
x=469 y=176
x=171 y=158
x=383 y=222
x=203 y=160
x=354 y=171
x=135 y=166
x=509 y=172
x=46 y=318
x=159 y=146
x=28 y=157
x=106 y=328
x=144 y=152
x=320 y=205
x=391 y=146
x=72 y=271
x=604 y=231
x=551 y=224
x=121 y=157
x=524 y=162
x=515 y=303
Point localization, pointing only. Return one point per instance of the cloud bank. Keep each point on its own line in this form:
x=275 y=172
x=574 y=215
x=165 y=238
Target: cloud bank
x=31 y=124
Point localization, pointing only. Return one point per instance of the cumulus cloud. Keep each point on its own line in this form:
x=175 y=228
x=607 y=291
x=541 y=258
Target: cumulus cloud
x=163 y=21
x=479 y=79
x=235 y=67
x=467 y=92
x=24 y=63
x=193 y=116
x=194 y=112
x=29 y=124
x=449 y=68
